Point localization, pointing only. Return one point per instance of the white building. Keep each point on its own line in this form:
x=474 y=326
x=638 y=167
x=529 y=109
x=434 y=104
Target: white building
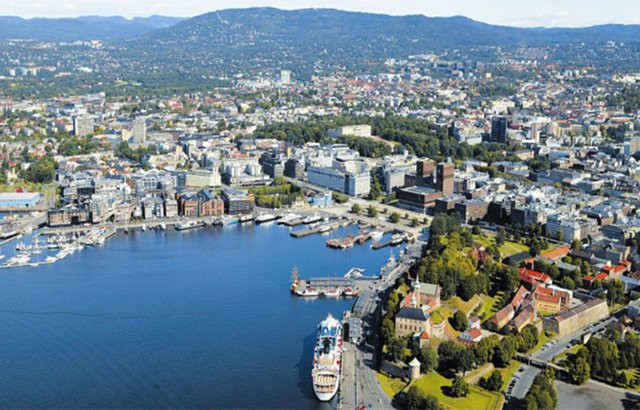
x=139 y=130
x=340 y=181
x=203 y=178
x=82 y=126
x=351 y=130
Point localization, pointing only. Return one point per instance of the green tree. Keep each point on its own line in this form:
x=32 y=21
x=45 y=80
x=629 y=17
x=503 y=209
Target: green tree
x=339 y=198
x=415 y=222
x=501 y=237
x=459 y=321
x=579 y=370
x=542 y=394
x=428 y=358
x=396 y=348
x=459 y=388
x=415 y=399
x=615 y=292
x=376 y=190
x=373 y=212
x=504 y=352
x=395 y=217
x=465 y=361
x=356 y=209
x=576 y=245
x=603 y=358
x=493 y=382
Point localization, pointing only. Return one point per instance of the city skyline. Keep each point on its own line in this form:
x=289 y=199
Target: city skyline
x=547 y=13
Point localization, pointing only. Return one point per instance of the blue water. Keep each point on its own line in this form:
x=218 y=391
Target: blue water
x=179 y=319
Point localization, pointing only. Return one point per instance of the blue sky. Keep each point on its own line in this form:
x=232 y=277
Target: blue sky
x=569 y=13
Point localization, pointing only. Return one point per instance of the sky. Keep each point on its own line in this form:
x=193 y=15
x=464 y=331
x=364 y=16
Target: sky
x=522 y=13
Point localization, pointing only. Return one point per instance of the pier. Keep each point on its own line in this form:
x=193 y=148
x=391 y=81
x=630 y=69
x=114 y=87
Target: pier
x=315 y=230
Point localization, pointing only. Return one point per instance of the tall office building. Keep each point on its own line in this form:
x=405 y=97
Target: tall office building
x=285 y=77
x=499 y=130
x=139 y=130
x=535 y=131
x=445 y=173
x=82 y=126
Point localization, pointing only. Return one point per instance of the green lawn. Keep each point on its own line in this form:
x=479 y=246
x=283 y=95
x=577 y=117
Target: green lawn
x=478 y=398
x=543 y=339
x=455 y=303
x=489 y=305
x=511 y=248
x=436 y=317
x=390 y=385
x=508 y=248
x=485 y=240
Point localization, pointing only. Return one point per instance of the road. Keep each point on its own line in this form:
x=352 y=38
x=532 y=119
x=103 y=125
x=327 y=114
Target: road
x=525 y=374
x=343 y=209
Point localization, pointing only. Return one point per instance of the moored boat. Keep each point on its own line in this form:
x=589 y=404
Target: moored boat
x=265 y=218
x=189 y=225
x=332 y=293
x=308 y=292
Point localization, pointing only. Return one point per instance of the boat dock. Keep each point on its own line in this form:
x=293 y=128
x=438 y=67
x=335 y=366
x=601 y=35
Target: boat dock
x=329 y=287
x=396 y=239
x=315 y=229
x=292 y=222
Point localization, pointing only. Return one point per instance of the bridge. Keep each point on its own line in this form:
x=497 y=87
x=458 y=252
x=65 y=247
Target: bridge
x=539 y=363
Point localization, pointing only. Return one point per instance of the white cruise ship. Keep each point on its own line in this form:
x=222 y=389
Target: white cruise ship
x=327 y=358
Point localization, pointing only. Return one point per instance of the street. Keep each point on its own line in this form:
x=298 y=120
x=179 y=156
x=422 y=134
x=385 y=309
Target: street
x=523 y=378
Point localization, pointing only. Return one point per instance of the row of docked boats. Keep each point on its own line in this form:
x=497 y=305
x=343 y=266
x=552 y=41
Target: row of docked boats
x=310 y=291
x=23 y=257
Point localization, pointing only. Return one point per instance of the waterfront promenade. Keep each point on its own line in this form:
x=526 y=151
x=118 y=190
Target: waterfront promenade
x=359 y=383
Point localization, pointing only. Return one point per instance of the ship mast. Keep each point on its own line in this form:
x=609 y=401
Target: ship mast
x=295 y=279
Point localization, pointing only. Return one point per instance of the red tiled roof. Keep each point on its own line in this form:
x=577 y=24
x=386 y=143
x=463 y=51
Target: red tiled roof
x=529 y=275
x=474 y=333
x=557 y=253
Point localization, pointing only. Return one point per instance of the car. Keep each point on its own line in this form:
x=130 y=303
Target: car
x=521 y=369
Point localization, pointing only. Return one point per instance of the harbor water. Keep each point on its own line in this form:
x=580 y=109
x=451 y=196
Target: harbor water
x=154 y=319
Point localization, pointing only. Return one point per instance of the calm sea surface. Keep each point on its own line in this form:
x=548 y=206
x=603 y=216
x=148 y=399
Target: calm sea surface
x=152 y=319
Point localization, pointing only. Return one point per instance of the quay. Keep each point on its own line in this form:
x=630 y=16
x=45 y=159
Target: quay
x=291 y=223
x=315 y=230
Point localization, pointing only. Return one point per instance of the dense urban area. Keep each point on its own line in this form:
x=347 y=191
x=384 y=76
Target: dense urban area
x=514 y=171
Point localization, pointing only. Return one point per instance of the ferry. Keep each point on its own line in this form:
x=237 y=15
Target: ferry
x=327 y=358
x=189 y=225
x=246 y=218
x=308 y=292
x=332 y=293
x=265 y=218
x=349 y=292
x=311 y=219
x=288 y=217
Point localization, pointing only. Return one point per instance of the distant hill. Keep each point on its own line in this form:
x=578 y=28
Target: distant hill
x=82 y=28
x=339 y=33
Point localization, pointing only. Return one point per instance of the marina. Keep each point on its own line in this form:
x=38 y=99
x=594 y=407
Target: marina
x=183 y=294
x=37 y=250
